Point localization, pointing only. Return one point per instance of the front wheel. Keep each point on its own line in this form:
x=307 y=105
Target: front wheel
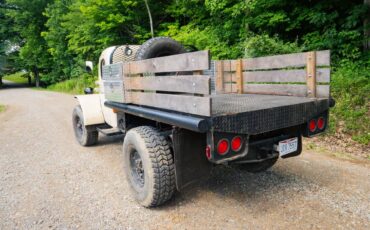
x=149 y=166
x=84 y=136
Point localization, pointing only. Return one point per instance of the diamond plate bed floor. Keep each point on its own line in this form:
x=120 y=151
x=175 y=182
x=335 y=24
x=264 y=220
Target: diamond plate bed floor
x=228 y=104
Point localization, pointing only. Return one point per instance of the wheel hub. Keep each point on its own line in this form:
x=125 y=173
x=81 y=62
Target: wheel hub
x=137 y=170
x=79 y=127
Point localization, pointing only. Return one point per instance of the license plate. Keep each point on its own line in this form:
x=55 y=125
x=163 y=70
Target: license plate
x=288 y=146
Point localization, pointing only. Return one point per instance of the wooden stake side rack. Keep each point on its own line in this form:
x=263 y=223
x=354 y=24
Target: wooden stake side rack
x=176 y=83
x=300 y=74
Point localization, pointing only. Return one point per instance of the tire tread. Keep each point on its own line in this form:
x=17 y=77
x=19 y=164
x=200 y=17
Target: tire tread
x=161 y=162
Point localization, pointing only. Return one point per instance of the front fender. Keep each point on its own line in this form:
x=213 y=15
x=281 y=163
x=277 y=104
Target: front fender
x=91 y=109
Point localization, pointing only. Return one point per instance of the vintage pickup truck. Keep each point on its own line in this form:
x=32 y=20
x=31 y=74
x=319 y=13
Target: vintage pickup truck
x=181 y=113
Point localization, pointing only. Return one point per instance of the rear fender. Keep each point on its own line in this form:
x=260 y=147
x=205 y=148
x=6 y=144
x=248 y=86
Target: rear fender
x=91 y=109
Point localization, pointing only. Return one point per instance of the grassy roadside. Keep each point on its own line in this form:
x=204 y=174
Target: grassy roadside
x=20 y=78
x=74 y=85
x=2 y=108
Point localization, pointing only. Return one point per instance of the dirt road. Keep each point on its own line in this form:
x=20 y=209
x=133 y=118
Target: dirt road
x=48 y=181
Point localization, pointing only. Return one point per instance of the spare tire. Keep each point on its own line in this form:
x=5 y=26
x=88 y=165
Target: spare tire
x=159 y=47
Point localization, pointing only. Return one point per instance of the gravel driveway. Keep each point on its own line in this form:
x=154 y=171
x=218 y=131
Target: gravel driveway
x=48 y=181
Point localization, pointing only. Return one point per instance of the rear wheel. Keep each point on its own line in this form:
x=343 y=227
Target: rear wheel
x=149 y=166
x=84 y=136
x=258 y=167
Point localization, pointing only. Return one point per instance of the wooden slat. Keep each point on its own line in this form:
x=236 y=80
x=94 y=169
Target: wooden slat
x=289 y=90
x=181 y=103
x=176 y=63
x=323 y=91
x=199 y=84
x=311 y=74
x=297 y=75
x=239 y=76
x=323 y=58
x=229 y=65
x=219 y=76
x=230 y=88
x=229 y=77
x=323 y=75
x=281 y=61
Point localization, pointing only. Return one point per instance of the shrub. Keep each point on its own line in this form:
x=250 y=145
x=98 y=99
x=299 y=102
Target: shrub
x=74 y=85
x=264 y=45
x=350 y=87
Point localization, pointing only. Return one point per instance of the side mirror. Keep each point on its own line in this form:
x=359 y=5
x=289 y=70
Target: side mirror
x=89 y=90
x=89 y=66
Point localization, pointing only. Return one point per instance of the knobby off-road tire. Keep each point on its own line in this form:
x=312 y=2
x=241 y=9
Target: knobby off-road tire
x=149 y=166
x=159 y=47
x=258 y=167
x=83 y=136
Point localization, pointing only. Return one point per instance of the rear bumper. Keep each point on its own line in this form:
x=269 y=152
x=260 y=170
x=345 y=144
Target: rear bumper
x=263 y=150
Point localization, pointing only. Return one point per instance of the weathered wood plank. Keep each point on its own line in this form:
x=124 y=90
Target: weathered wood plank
x=239 y=76
x=219 y=76
x=323 y=58
x=230 y=88
x=229 y=65
x=289 y=90
x=285 y=89
x=181 y=103
x=296 y=75
x=199 y=84
x=323 y=91
x=281 y=61
x=176 y=63
x=311 y=74
x=229 y=77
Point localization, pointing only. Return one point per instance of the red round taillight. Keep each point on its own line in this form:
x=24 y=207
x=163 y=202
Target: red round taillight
x=312 y=125
x=223 y=147
x=208 y=152
x=236 y=143
x=321 y=123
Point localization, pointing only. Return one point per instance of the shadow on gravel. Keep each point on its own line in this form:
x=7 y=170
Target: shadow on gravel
x=105 y=140
x=12 y=85
x=245 y=188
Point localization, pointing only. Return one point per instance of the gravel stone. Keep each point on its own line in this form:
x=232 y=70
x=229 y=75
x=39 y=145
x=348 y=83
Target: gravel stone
x=47 y=180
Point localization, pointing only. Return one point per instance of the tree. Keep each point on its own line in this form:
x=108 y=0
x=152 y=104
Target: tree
x=150 y=18
x=29 y=22
x=62 y=60
x=367 y=27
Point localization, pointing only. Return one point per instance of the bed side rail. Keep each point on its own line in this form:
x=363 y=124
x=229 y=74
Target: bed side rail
x=300 y=74
x=173 y=83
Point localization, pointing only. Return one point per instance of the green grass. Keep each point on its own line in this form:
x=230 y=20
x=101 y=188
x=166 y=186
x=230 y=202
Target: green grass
x=74 y=85
x=350 y=87
x=2 y=108
x=19 y=77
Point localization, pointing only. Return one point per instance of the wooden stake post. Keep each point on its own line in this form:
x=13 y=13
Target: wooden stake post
x=220 y=77
x=239 y=76
x=311 y=74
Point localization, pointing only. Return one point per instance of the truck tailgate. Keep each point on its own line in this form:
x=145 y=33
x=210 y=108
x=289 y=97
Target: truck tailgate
x=254 y=113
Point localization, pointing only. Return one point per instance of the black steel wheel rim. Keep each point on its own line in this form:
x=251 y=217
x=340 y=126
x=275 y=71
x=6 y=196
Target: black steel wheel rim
x=137 y=169
x=79 y=127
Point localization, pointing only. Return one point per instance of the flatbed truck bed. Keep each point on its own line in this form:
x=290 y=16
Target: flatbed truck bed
x=244 y=113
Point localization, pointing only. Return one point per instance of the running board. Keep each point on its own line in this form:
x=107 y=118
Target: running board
x=110 y=132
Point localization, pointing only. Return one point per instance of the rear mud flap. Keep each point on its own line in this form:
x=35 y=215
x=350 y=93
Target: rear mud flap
x=191 y=164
